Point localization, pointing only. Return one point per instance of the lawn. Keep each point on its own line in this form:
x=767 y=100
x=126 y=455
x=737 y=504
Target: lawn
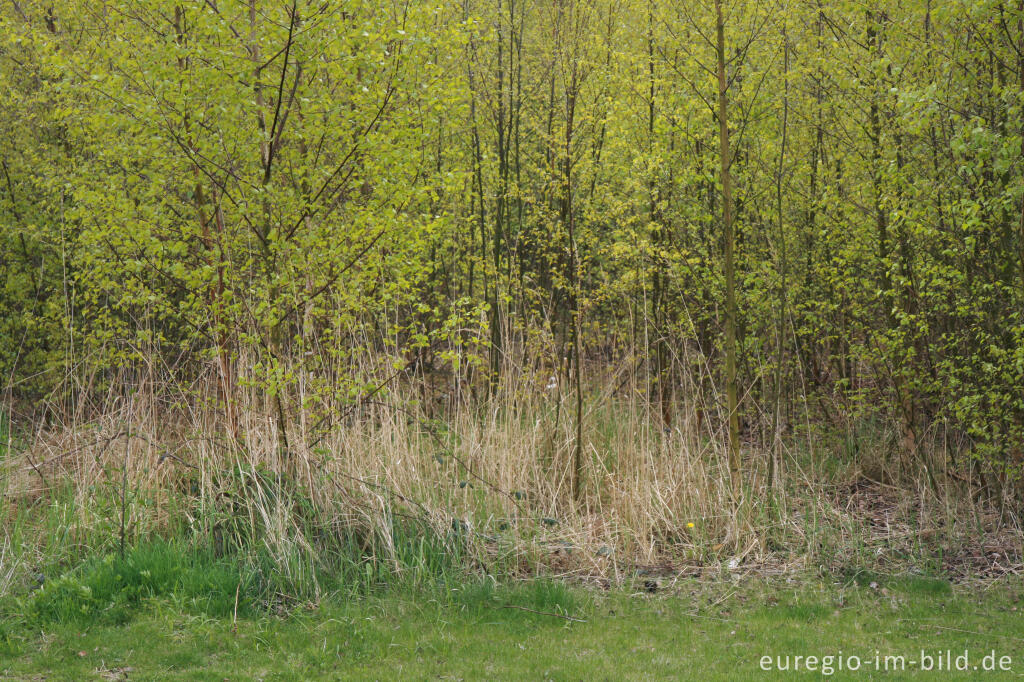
x=696 y=629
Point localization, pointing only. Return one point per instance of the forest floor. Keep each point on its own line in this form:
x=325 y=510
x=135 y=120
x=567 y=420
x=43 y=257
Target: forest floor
x=711 y=629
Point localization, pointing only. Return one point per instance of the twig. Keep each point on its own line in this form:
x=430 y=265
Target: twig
x=35 y=467
x=972 y=632
x=234 y=615
x=571 y=619
x=379 y=486
x=124 y=490
x=106 y=441
x=168 y=455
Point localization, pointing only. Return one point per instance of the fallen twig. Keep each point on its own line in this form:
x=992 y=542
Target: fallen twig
x=573 y=619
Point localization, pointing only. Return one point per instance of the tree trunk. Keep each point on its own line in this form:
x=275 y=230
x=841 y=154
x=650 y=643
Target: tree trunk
x=730 y=269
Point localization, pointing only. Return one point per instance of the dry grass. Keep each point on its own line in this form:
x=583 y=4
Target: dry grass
x=491 y=474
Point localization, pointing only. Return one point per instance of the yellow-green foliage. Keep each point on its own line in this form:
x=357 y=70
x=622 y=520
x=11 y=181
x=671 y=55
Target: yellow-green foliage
x=308 y=197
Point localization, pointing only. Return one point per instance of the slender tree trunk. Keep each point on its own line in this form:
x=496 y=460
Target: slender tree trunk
x=225 y=373
x=500 y=216
x=1019 y=48
x=730 y=273
x=266 y=150
x=775 y=455
x=569 y=215
x=662 y=389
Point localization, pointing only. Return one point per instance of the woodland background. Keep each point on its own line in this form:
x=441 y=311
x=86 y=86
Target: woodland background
x=636 y=276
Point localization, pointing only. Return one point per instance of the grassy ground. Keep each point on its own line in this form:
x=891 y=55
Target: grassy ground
x=230 y=594
x=686 y=630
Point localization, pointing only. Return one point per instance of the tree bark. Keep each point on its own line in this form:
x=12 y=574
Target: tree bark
x=730 y=269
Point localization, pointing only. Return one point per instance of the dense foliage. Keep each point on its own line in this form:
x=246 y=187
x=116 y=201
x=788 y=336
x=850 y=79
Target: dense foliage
x=308 y=197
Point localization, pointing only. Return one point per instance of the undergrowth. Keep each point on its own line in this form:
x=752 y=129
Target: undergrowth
x=100 y=518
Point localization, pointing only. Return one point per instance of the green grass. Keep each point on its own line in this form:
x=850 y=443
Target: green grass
x=107 y=590
x=692 y=630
